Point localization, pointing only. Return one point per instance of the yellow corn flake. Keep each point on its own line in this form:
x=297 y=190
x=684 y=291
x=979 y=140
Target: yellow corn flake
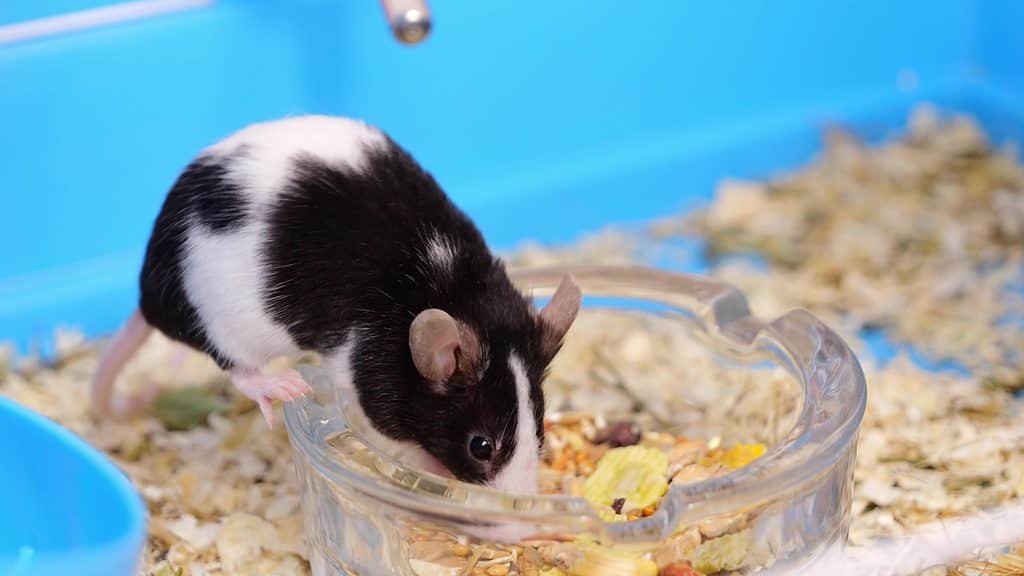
x=600 y=561
x=553 y=571
x=636 y=473
x=742 y=454
x=726 y=553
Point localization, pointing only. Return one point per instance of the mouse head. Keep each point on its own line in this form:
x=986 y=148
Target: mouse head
x=484 y=386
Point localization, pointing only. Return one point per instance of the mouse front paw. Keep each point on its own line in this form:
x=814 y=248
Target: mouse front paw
x=264 y=389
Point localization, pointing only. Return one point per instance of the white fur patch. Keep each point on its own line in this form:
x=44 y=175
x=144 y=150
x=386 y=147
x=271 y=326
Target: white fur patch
x=223 y=277
x=441 y=253
x=521 y=471
x=409 y=453
x=223 y=272
x=263 y=171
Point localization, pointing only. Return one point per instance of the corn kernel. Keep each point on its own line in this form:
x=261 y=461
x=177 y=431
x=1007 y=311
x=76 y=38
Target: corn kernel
x=742 y=454
x=460 y=550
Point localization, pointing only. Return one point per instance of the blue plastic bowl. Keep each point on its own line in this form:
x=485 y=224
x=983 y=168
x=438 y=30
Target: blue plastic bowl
x=64 y=507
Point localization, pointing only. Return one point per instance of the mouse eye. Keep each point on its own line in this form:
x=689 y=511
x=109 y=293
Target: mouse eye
x=481 y=448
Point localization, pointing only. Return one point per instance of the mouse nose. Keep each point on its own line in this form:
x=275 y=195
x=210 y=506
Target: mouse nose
x=409 y=19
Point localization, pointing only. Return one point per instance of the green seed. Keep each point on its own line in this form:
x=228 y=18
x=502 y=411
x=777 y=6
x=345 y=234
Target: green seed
x=186 y=408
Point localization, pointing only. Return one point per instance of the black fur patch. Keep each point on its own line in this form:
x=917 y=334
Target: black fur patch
x=348 y=250
x=215 y=200
x=164 y=302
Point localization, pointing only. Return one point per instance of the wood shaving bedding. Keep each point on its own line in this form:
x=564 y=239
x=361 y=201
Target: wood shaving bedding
x=923 y=236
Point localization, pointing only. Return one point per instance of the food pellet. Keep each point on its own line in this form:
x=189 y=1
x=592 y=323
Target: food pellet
x=460 y=550
x=679 y=569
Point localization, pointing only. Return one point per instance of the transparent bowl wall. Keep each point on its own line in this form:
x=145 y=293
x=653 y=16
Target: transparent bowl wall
x=360 y=503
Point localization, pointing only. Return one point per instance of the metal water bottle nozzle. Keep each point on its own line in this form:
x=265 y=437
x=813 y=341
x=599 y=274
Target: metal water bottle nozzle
x=409 y=19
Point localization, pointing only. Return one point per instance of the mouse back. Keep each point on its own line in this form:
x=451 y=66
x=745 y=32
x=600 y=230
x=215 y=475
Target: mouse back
x=204 y=277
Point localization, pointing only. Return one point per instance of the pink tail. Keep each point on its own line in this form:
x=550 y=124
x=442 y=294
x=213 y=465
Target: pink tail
x=125 y=344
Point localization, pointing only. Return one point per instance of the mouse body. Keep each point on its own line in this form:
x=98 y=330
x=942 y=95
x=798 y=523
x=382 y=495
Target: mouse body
x=321 y=234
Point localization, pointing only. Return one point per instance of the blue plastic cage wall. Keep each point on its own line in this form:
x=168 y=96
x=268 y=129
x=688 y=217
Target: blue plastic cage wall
x=542 y=119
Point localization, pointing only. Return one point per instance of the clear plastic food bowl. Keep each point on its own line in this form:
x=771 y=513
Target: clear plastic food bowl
x=363 y=509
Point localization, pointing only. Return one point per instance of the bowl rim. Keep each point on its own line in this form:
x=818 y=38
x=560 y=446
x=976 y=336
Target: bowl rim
x=824 y=366
x=121 y=549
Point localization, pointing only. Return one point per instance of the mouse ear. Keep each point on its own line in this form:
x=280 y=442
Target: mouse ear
x=557 y=317
x=434 y=340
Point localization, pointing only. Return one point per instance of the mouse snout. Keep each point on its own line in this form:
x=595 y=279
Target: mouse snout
x=520 y=474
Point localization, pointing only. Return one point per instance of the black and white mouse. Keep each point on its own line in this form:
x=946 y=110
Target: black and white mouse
x=321 y=234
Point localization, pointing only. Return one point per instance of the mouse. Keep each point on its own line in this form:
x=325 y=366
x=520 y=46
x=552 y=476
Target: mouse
x=322 y=234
